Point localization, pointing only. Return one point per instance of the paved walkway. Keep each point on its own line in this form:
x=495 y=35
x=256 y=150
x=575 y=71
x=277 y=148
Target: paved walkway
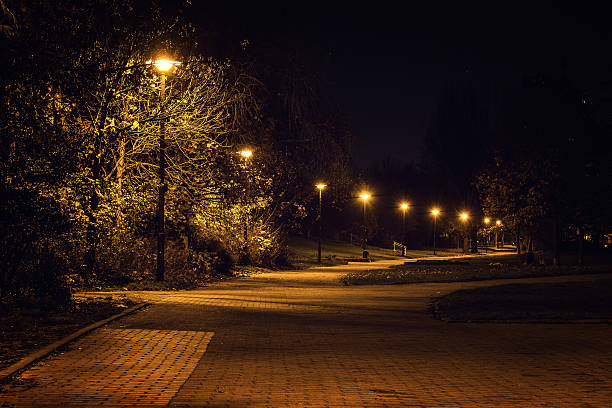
x=301 y=339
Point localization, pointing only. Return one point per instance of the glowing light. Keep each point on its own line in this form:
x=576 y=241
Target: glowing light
x=435 y=212
x=364 y=196
x=487 y=220
x=164 y=65
x=321 y=186
x=246 y=153
x=404 y=206
x=464 y=216
x=498 y=222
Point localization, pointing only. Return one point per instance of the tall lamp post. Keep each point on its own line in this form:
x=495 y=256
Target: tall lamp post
x=320 y=187
x=404 y=207
x=435 y=213
x=364 y=197
x=163 y=66
x=487 y=220
x=498 y=223
x=246 y=155
x=464 y=218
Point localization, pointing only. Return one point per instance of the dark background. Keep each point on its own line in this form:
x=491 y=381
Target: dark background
x=387 y=66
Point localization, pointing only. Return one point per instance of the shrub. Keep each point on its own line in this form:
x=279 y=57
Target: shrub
x=211 y=254
x=34 y=277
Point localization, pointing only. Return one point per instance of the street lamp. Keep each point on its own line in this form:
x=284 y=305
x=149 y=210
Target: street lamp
x=163 y=66
x=435 y=213
x=498 y=223
x=364 y=197
x=404 y=207
x=487 y=221
x=246 y=154
x=320 y=187
x=464 y=218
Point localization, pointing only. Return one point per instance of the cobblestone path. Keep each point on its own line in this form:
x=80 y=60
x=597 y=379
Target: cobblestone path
x=300 y=339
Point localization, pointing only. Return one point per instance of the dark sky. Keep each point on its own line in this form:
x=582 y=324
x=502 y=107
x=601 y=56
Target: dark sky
x=386 y=66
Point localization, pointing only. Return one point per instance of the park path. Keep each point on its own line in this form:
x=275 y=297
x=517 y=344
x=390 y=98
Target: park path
x=300 y=338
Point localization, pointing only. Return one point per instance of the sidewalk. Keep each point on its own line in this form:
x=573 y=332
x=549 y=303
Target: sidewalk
x=300 y=338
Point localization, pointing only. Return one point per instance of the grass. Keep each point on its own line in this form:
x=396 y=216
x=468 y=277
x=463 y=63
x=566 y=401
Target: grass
x=539 y=302
x=303 y=252
x=26 y=330
x=479 y=268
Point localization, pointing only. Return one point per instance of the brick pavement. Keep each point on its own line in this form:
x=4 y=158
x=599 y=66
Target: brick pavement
x=301 y=339
x=111 y=367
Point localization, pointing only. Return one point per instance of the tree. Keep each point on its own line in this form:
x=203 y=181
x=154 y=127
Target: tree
x=514 y=190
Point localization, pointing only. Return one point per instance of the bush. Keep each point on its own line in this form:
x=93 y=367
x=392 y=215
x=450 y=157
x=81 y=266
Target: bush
x=126 y=258
x=211 y=255
x=33 y=277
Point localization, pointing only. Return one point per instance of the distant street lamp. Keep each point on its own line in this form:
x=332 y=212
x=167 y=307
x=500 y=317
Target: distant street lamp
x=498 y=223
x=487 y=220
x=435 y=213
x=464 y=219
x=404 y=207
x=364 y=197
x=320 y=187
x=163 y=66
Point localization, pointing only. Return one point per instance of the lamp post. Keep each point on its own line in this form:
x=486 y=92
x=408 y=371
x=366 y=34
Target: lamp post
x=163 y=66
x=435 y=213
x=464 y=218
x=498 y=223
x=364 y=197
x=404 y=207
x=487 y=220
x=320 y=187
x=246 y=154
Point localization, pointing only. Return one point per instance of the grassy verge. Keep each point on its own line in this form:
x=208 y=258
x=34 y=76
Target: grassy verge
x=480 y=268
x=23 y=331
x=303 y=252
x=539 y=302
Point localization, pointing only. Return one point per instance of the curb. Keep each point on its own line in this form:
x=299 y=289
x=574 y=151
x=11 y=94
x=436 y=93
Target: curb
x=37 y=355
x=593 y=321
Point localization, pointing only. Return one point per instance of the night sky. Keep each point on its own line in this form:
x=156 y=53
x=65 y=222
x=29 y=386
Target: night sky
x=386 y=66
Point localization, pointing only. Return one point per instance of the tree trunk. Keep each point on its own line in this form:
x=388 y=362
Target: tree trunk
x=120 y=170
x=530 y=243
x=96 y=174
x=94 y=202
